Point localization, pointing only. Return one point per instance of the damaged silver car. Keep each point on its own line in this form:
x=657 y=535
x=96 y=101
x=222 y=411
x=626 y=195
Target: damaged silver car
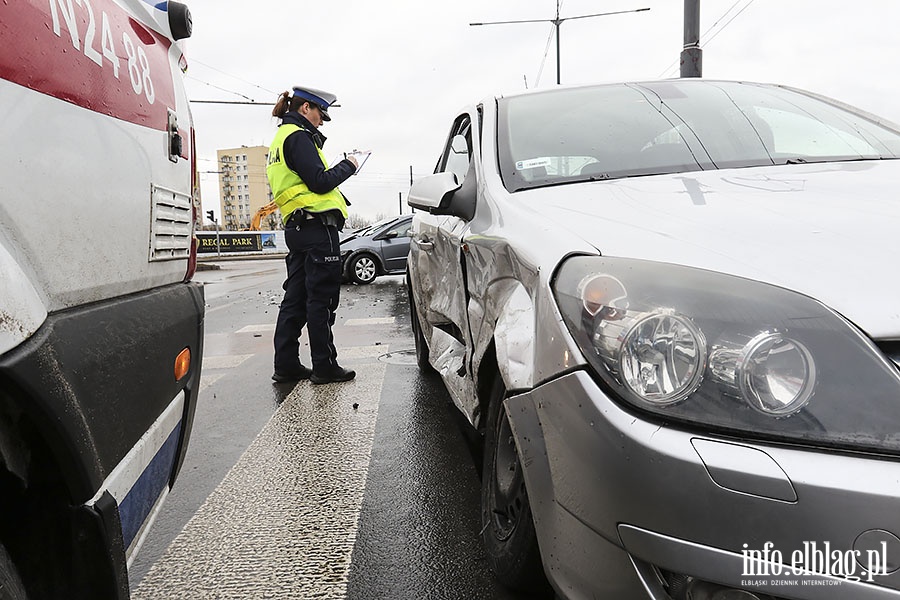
x=673 y=310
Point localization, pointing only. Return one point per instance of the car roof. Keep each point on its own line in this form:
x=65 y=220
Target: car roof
x=679 y=80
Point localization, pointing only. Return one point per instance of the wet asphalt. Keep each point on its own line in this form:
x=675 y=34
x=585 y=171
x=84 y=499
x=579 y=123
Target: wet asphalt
x=364 y=490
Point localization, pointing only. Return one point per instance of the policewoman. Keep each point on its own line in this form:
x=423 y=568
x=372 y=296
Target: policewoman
x=313 y=211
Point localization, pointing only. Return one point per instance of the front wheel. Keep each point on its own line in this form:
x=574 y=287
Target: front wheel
x=509 y=537
x=11 y=587
x=363 y=269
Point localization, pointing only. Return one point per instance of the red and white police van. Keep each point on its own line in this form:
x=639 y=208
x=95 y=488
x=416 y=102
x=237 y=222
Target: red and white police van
x=101 y=328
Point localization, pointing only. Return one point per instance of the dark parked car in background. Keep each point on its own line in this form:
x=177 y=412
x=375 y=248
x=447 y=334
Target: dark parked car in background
x=673 y=310
x=379 y=249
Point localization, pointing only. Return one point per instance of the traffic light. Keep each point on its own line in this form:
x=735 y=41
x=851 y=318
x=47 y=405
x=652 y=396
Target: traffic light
x=211 y=216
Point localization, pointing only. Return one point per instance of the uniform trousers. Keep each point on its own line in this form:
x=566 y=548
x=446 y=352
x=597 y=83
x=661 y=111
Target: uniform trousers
x=311 y=294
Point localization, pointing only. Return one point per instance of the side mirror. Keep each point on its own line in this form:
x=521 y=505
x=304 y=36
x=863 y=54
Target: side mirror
x=458 y=145
x=432 y=193
x=180 y=22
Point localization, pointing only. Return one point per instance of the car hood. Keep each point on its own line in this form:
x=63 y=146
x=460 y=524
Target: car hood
x=826 y=230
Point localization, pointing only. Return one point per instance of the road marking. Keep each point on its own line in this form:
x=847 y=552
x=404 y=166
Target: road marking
x=355 y=352
x=257 y=328
x=283 y=522
x=208 y=380
x=224 y=362
x=369 y=321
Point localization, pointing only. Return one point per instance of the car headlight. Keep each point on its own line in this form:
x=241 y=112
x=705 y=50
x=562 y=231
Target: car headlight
x=661 y=357
x=728 y=353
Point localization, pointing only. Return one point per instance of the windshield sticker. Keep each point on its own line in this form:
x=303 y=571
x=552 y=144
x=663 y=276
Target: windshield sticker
x=532 y=163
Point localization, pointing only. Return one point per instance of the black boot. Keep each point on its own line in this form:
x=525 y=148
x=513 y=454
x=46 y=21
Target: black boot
x=292 y=376
x=332 y=374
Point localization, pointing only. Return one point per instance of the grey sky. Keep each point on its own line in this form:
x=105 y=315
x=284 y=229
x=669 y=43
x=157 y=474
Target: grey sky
x=401 y=68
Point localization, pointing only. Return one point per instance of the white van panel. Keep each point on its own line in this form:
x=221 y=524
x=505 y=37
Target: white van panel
x=90 y=254
x=21 y=308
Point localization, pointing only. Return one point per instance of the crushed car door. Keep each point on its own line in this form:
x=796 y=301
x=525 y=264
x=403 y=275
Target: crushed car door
x=438 y=248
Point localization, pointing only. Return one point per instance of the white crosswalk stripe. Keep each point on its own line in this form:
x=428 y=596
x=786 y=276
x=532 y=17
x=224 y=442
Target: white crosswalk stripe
x=369 y=321
x=288 y=511
x=257 y=328
x=224 y=362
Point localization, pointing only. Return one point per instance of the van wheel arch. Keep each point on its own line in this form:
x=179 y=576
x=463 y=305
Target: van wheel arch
x=40 y=536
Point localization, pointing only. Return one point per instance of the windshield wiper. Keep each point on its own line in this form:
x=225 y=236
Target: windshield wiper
x=796 y=161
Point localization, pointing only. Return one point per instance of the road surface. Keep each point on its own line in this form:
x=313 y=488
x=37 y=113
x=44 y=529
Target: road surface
x=362 y=490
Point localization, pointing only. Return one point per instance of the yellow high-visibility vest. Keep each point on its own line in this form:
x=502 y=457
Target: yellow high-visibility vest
x=290 y=192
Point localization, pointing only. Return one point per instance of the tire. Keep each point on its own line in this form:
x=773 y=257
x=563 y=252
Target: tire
x=11 y=587
x=363 y=269
x=422 y=354
x=509 y=536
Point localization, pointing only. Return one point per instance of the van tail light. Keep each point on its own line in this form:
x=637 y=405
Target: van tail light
x=195 y=208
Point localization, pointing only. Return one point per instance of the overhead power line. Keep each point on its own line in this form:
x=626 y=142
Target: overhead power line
x=537 y=80
x=247 y=103
x=241 y=79
x=712 y=37
x=220 y=88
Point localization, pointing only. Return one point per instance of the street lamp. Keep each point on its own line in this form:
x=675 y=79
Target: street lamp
x=557 y=22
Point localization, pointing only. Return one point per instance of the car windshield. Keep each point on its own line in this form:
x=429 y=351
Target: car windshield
x=627 y=130
x=373 y=228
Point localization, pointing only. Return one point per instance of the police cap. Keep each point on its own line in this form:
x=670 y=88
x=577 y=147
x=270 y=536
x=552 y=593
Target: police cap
x=321 y=99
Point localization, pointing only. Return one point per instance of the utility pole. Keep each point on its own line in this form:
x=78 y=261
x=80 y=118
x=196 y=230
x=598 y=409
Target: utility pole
x=400 y=198
x=692 y=55
x=556 y=23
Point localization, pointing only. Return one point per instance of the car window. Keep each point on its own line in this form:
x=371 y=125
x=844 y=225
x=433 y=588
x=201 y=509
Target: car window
x=457 y=153
x=376 y=228
x=613 y=131
x=402 y=230
x=750 y=125
x=804 y=136
x=581 y=134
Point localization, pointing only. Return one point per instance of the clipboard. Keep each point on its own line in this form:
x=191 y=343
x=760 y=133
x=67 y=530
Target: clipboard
x=361 y=157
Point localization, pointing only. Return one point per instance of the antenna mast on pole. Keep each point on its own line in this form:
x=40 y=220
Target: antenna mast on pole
x=556 y=23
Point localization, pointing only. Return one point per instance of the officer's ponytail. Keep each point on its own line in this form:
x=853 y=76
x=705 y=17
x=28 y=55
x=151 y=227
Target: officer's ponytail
x=286 y=103
x=281 y=105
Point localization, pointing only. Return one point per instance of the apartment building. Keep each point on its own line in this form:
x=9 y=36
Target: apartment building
x=244 y=188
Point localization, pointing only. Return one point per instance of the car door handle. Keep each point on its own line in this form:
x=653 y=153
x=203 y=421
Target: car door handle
x=424 y=245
